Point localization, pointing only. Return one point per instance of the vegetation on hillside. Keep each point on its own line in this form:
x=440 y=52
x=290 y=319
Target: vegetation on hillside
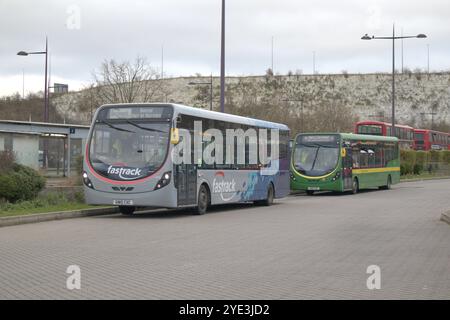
x=15 y=107
x=320 y=102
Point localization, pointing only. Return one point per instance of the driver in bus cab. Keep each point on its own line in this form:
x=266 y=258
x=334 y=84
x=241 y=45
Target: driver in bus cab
x=116 y=149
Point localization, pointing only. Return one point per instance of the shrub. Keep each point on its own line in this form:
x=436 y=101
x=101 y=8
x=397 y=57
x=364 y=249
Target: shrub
x=435 y=155
x=408 y=156
x=446 y=156
x=422 y=158
x=20 y=183
x=36 y=180
x=407 y=160
x=418 y=168
x=406 y=168
x=417 y=161
x=9 y=187
x=7 y=160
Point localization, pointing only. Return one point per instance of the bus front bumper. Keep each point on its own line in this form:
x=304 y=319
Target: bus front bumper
x=316 y=184
x=163 y=198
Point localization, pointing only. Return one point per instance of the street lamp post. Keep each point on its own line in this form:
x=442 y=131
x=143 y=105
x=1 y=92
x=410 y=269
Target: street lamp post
x=24 y=53
x=222 y=61
x=393 y=38
x=210 y=84
x=314 y=63
x=432 y=114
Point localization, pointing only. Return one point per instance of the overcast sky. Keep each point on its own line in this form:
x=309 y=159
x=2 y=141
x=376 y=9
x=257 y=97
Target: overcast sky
x=83 y=33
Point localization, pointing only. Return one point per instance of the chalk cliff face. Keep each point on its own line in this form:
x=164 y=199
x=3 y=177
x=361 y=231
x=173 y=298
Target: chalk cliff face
x=367 y=95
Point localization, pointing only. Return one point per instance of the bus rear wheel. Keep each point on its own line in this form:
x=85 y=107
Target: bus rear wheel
x=202 y=200
x=270 y=196
x=388 y=184
x=355 y=186
x=125 y=210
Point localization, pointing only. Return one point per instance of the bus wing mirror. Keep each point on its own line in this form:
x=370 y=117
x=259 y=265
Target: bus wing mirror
x=176 y=121
x=174 y=136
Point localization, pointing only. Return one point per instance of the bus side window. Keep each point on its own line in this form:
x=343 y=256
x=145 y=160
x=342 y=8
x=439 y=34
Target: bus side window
x=363 y=158
x=383 y=154
x=355 y=157
x=378 y=156
x=187 y=122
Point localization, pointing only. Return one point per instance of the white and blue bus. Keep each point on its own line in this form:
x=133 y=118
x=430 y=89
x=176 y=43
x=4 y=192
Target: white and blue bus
x=172 y=156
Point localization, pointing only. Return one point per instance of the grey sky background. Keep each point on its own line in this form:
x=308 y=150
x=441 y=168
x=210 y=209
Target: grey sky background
x=190 y=33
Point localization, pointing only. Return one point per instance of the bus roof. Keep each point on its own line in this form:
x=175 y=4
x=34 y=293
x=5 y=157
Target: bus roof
x=352 y=136
x=429 y=130
x=179 y=108
x=374 y=122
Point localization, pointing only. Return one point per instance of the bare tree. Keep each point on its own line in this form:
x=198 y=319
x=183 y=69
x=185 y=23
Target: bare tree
x=127 y=82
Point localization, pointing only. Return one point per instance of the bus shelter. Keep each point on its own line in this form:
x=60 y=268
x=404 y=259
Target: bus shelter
x=29 y=140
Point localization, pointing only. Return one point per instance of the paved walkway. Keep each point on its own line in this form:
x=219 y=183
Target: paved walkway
x=302 y=247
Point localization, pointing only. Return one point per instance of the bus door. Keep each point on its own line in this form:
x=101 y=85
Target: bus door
x=186 y=183
x=347 y=165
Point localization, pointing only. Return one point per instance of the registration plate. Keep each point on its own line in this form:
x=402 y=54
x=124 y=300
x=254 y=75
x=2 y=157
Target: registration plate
x=314 y=188
x=123 y=202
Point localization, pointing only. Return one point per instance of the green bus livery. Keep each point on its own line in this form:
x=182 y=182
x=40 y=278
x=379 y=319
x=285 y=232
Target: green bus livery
x=343 y=162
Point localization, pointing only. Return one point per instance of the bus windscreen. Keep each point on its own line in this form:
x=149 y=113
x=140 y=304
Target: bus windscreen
x=316 y=155
x=125 y=150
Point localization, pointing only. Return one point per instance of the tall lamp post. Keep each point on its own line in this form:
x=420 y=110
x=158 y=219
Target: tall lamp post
x=393 y=38
x=24 y=53
x=210 y=84
x=222 y=61
x=432 y=114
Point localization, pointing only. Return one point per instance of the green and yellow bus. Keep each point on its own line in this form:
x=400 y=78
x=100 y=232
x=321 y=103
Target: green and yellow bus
x=343 y=162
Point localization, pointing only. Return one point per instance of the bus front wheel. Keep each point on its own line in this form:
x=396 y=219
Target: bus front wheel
x=202 y=200
x=128 y=211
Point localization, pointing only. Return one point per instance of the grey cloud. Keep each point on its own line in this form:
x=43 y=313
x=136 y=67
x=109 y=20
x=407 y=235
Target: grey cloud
x=190 y=32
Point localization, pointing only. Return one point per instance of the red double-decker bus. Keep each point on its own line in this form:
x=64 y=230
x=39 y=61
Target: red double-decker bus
x=404 y=133
x=425 y=139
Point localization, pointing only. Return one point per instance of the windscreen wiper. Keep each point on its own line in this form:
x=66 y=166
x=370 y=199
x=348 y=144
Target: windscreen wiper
x=114 y=127
x=315 y=158
x=143 y=128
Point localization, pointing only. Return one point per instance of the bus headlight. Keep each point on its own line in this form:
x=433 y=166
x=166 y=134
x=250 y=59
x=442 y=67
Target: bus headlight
x=164 y=181
x=87 y=181
x=338 y=174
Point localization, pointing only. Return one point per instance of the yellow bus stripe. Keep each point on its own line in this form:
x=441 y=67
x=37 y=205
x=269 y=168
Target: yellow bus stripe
x=372 y=170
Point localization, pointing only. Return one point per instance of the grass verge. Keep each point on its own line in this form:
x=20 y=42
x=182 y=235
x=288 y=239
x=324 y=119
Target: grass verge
x=52 y=202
